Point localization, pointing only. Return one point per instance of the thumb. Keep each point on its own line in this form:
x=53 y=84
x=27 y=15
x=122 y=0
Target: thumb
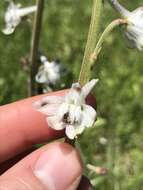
x=56 y=166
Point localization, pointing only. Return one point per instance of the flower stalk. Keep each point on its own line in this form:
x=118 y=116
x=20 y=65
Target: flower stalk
x=104 y=35
x=91 y=42
x=34 y=65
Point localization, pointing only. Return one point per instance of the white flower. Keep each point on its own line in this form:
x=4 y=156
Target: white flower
x=14 y=15
x=49 y=72
x=103 y=140
x=71 y=111
x=133 y=30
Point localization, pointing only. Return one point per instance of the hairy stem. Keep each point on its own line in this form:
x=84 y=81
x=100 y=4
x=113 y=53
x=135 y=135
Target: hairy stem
x=35 y=46
x=91 y=41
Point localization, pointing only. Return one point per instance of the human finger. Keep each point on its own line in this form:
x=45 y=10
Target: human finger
x=21 y=126
x=56 y=166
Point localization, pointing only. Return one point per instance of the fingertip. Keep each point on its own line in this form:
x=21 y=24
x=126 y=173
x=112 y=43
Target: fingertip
x=59 y=166
x=24 y=126
x=55 y=166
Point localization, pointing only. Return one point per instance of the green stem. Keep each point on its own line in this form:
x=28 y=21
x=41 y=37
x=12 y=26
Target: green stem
x=35 y=46
x=104 y=35
x=91 y=41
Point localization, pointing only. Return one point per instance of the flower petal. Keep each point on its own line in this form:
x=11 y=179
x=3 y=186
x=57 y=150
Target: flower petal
x=48 y=100
x=55 y=123
x=88 y=116
x=63 y=109
x=49 y=72
x=70 y=131
x=8 y=30
x=41 y=77
x=73 y=97
x=54 y=99
x=43 y=59
x=86 y=89
x=136 y=17
x=72 y=113
x=78 y=114
x=53 y=76
x=50 y=109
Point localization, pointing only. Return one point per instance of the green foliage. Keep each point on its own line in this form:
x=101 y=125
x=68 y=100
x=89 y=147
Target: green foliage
x=119 y=92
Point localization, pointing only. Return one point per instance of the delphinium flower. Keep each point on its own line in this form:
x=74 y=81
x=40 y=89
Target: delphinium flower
x=134 y=28
x=14 y=15
x=49 y=73
x=71 y=111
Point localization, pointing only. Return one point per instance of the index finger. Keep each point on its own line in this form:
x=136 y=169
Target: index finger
x=22 y=126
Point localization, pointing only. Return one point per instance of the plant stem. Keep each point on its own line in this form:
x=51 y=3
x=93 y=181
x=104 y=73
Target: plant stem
x=91 y=41
x=104 y=35
x=34 y=47
x=69 y=141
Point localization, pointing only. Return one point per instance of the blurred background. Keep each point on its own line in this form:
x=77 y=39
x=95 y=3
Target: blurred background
x=116 y=142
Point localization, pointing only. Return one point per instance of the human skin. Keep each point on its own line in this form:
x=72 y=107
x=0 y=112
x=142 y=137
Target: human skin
x=54 y=166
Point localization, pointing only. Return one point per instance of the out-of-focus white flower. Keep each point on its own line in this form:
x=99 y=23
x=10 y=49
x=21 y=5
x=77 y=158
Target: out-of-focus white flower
x=14 y=15
x=133 y=30
x=71 y=111
x=49 y=72
x=103 y=140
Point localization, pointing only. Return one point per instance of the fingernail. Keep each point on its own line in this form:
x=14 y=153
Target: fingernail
x=59 y=167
